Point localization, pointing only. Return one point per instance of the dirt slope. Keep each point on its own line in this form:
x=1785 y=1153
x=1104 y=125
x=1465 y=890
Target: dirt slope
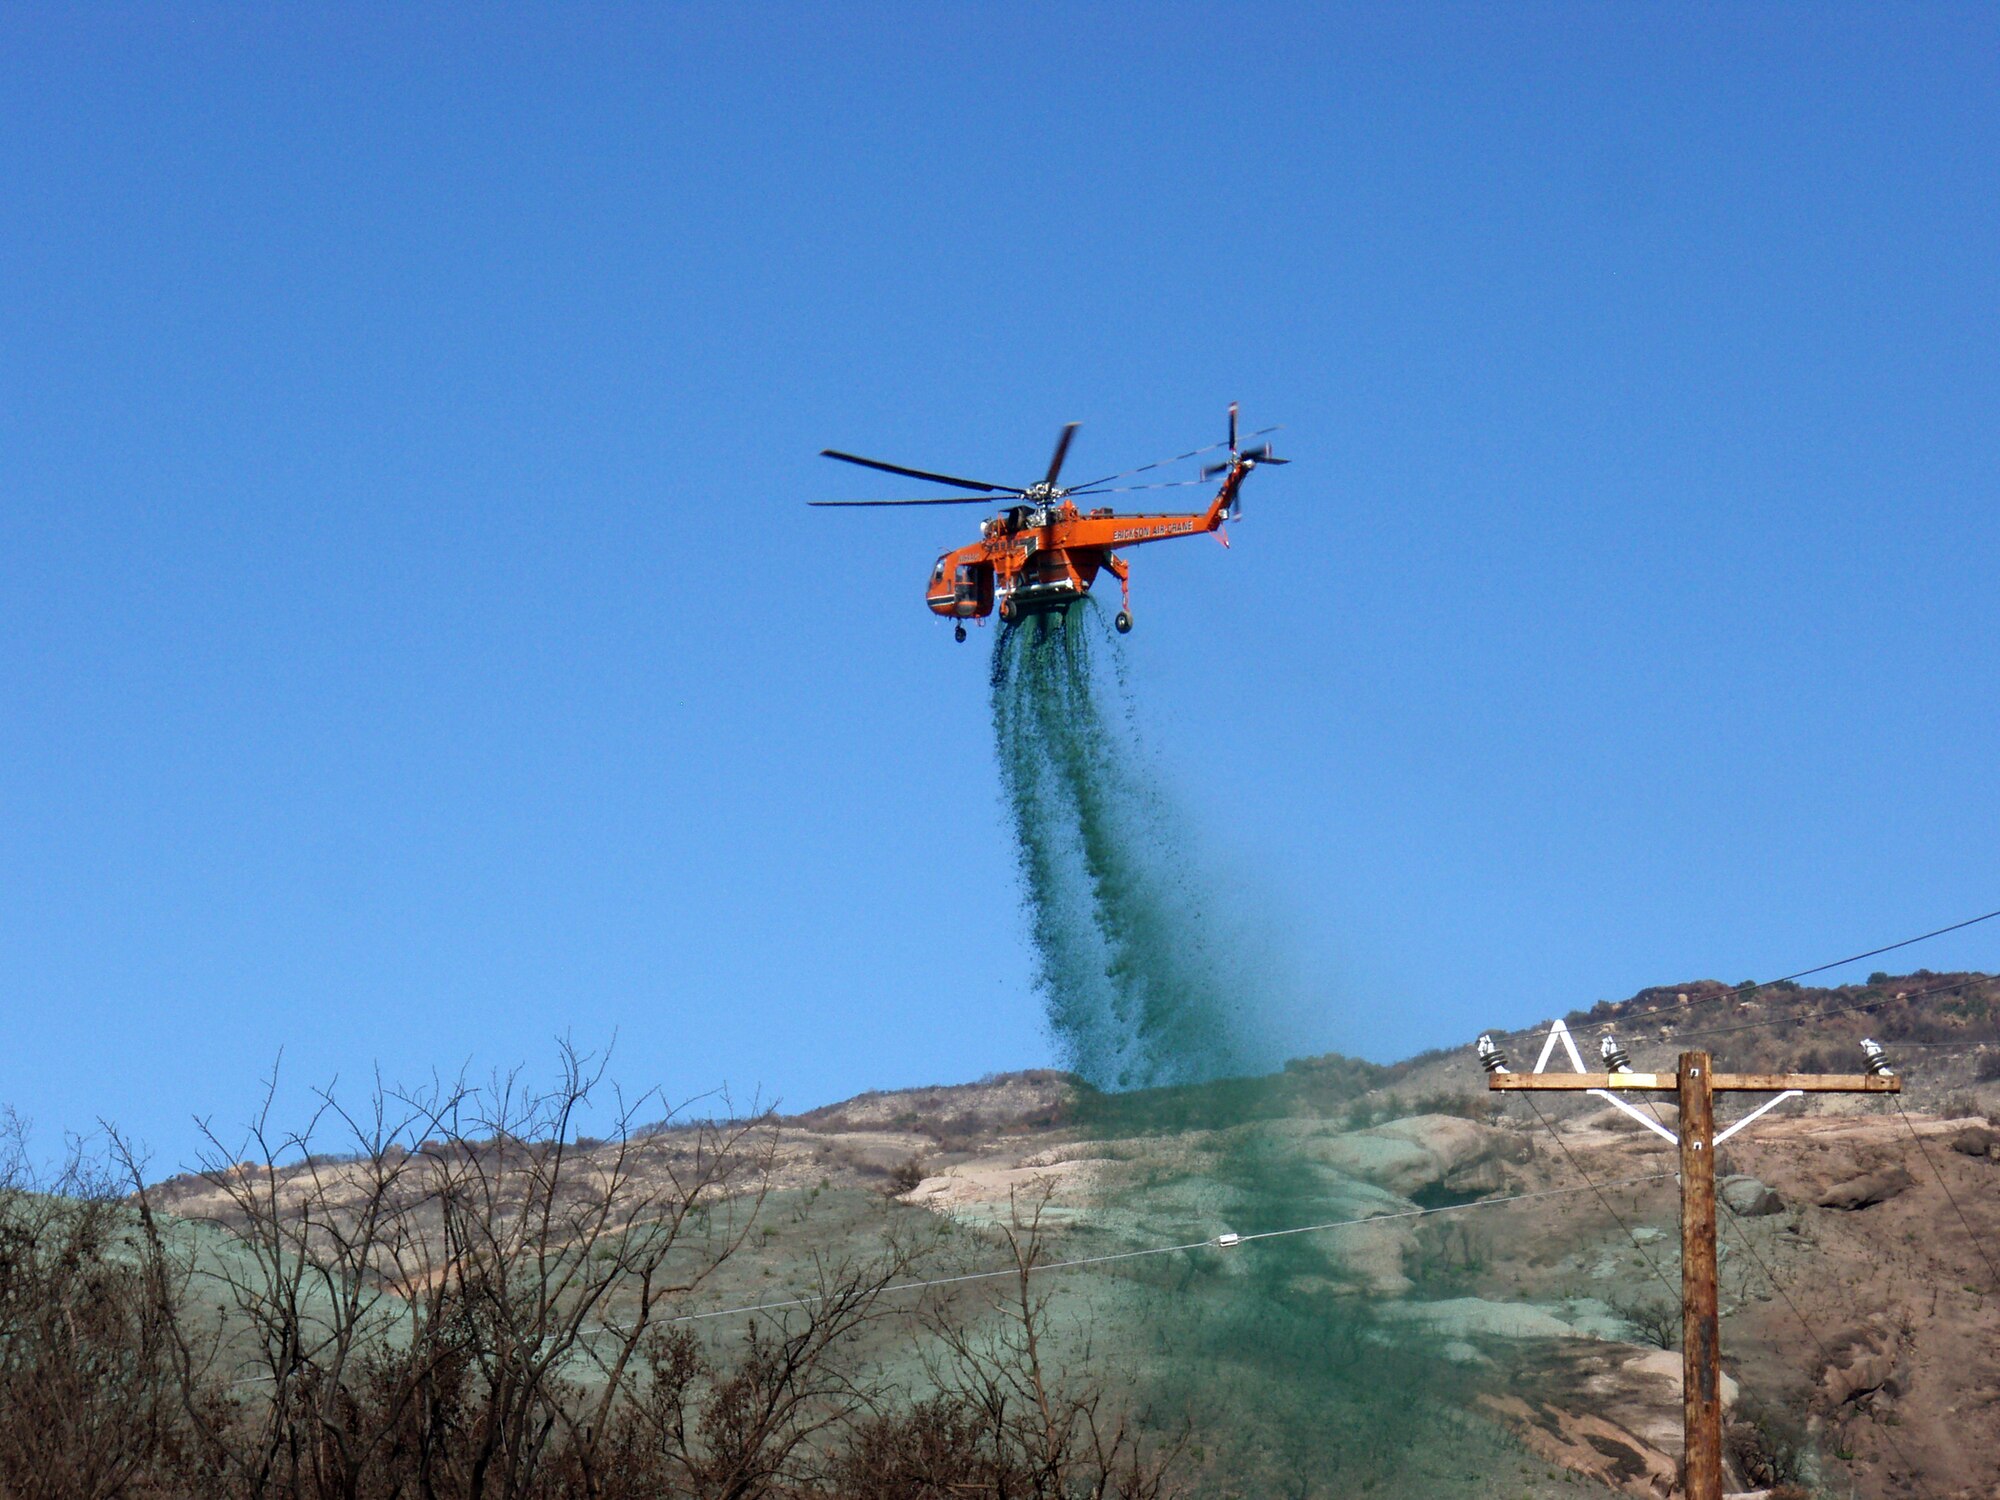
x=1861 y=1322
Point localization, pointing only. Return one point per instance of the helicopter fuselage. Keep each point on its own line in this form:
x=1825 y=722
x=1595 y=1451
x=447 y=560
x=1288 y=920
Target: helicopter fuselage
x=1038 y=557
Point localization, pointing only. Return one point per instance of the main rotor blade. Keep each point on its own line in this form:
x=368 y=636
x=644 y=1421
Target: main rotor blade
x=929 y=500
x=1160 y=463
x=1126 y=489
x=950 y=479
x=1062 y=451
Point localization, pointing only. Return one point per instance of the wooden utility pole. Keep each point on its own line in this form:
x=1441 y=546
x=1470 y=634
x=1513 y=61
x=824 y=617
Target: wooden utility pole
x=1701 y=1342
x=1696 y=1085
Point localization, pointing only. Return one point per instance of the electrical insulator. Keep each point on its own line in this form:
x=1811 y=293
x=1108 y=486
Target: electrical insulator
x=1616 y=1059
x=1878 y=1060
x=1491 y=1058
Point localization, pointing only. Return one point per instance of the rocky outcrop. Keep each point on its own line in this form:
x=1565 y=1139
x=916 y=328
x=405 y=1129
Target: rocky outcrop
x=1977 y=1140
x=1605 y=1410
x=1424 y=1155
x=1865 y=1370
x=1867 y=1190
x=988 y=1193
x=1589 y=1445
x=1476 y=1317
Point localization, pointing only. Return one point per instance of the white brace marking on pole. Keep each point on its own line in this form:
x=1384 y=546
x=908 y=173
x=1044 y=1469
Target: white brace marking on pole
x=1559 y=1032
x=1767 y=1105
x=1646 y=1120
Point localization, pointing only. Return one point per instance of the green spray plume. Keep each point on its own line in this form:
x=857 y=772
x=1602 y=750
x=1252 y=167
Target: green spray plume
x=1153 y=997
x=1128 y=956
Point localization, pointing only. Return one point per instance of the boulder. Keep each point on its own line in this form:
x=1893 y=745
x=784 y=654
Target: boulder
x=1867 y=1369
x=1976 y=1140
x=1750 y=1198
x=1868 y=1189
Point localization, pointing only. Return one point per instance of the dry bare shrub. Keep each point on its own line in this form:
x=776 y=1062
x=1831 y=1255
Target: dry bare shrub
x=933 y=1450
x=459 y=1295
x=1655 y=1319
x=1769 y=1444
x=905 y=1177
x=1447 y=1252
x=463 y=1301
x=1008 y=1417
x=758 y=1416
x=89 y=1405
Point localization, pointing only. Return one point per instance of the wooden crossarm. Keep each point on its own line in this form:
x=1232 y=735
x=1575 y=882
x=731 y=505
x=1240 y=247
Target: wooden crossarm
x=1665 y=1083
x=1811 y=1083
x=1722 y=1083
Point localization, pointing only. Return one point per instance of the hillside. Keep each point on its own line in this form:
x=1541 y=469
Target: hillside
x=1487 y=1340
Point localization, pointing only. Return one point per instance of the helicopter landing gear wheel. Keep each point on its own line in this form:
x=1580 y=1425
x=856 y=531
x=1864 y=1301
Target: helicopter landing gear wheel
x=958 y=633
x=1007 y=610
x=1123 y=622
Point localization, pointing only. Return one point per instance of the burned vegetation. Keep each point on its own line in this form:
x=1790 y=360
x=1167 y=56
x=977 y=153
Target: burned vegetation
x=468 y=1300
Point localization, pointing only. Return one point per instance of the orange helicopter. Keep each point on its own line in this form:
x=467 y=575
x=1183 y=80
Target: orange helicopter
x=1043 y=551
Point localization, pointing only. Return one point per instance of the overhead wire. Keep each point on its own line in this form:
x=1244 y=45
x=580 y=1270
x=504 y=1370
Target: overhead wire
x=1742 y=990
x=1826 y=1354
x=1744 y=1240
x=1637 y=1243
x=1211 y=1243
x=1590 y=1184
x=1741 y=1236
x=1978 y=1244
x=1836 y=1010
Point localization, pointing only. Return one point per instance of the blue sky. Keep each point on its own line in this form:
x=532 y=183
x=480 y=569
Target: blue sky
x=416 y=645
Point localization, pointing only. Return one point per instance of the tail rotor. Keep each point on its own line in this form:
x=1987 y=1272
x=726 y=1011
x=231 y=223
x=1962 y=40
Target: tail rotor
x=1238 y=456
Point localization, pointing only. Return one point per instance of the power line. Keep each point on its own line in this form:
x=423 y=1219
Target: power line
x=1977 y=1244
x=1921 y=937
x=1702 y=1412
x=1743 y=1239
x=1750 y=1248
x=1554 y=1135
x=1743 y=990
x=1207 y=1244
x=1834 y=1010
x=1738 y=992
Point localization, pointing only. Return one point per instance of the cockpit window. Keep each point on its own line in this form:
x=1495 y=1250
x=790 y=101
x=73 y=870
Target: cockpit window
x=938 y=571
